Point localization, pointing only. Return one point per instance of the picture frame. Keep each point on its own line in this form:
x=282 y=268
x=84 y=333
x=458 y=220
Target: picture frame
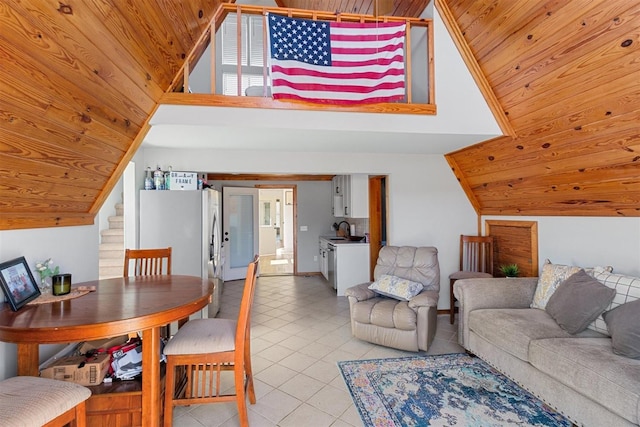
x=18 y=283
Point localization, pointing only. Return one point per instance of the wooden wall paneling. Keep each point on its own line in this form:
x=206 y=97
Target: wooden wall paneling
x=487 y=32
x=31 y=91
x=561 y=44
x=597 y=144
x=18 y=124
x=81 y=84
x=115 y=26
x=63 y=53
x=34 y=173
x=578 y=89
x=581 y=107
x=80 y=25
x=154 y=39
x=515 y=242
x=577 y=21
x=43 y=219
x=55 y=155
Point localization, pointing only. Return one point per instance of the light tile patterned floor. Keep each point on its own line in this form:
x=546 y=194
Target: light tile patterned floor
x=300 y=329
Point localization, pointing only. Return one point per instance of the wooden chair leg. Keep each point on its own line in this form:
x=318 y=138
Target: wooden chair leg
x=241 y=397
x=81 y=415
x=168 y=393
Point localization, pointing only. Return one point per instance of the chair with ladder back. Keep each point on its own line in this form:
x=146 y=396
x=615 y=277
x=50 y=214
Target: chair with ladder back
x=476 y=261
x=199 y=353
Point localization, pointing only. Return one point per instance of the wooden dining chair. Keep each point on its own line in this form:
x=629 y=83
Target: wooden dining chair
x=147 y=262
x=35 y=401
x=150 y=262
x=202 y=349
x=476 y=261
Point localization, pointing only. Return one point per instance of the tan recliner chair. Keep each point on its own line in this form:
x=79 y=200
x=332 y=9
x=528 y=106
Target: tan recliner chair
x=405 y=325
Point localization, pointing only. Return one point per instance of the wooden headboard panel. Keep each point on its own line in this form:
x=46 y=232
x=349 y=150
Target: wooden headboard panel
x=514 y=242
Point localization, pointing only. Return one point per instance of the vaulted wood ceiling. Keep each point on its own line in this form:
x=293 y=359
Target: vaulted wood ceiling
x=79 y=81
x=566 y=74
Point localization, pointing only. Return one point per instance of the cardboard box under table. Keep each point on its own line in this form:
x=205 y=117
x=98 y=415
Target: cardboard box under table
x=78 y=369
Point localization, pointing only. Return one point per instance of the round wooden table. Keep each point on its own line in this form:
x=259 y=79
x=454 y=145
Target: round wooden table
x=117 y=307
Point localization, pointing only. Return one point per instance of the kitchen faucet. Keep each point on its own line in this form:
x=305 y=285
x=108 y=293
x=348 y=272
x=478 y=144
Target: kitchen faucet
x=337 y=227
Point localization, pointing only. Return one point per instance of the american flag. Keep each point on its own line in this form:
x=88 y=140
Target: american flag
x=336 y=62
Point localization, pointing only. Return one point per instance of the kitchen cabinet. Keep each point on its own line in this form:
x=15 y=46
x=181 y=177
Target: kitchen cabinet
x=350 y=196
x=324 y=259
x=344 y=263
x=351 y=265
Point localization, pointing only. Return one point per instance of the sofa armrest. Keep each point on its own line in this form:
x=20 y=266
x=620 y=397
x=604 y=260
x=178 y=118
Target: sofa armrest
x=475 y=294
x=424 y=299
x=360 y=292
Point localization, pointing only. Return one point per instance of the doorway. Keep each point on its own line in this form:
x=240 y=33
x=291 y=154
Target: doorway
x=276 y=224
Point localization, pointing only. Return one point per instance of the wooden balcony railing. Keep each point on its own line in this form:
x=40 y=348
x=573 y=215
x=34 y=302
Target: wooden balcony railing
x=416 y=75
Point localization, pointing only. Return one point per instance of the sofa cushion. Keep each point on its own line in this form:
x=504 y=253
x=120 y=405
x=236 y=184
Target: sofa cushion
x=588 y=366
x=385 y=312
x=627 y=289
x=512 y=329
x=623 y=323
x=552 y=275
x=396 y=287
x=578 y=301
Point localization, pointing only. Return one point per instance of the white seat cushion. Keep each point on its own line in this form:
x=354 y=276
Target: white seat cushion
x=201 y=336
x=34 y=401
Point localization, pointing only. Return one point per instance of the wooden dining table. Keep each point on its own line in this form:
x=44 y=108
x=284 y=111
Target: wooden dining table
x=118 y=306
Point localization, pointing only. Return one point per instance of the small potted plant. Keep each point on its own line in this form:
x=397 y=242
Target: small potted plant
x=510 y=270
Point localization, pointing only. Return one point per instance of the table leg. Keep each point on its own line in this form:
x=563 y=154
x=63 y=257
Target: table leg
x=151 y=377
x=28 y=359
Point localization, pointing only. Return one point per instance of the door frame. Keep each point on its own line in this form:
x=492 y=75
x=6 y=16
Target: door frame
x=377 y=218
x=294 y=189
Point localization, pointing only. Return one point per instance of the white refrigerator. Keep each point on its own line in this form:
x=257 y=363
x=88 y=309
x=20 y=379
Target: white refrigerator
x=189 y=222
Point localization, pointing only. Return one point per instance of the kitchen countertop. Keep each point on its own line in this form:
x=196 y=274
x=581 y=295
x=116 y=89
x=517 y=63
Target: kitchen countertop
x=343 y=240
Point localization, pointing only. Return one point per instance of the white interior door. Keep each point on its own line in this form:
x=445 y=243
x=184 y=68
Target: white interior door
x=239 y=230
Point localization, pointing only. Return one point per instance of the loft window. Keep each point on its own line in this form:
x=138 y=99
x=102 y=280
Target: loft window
x=251 y=51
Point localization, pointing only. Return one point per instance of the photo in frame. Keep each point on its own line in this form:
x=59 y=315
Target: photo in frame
x=18 y=283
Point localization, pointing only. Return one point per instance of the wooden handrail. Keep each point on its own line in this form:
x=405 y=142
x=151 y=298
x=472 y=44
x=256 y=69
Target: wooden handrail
x=225 y=8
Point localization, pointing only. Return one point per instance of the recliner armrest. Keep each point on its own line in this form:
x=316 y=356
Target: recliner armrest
x=360 y=292
x=475 y=294
x=424 y=299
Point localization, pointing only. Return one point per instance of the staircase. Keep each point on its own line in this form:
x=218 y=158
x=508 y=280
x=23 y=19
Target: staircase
x=111 y=261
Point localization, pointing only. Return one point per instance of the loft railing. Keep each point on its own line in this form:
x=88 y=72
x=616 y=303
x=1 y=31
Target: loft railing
x=419 y=78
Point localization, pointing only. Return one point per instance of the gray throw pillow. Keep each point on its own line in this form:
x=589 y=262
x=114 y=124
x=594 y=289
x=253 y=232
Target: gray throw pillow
x=578 y=301
x=623 y=323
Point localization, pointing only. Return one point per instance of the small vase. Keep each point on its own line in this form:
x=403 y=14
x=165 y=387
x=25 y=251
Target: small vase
x=45 y=287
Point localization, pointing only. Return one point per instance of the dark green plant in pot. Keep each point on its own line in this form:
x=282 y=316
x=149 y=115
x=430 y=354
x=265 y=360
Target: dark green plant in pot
x=510 y=270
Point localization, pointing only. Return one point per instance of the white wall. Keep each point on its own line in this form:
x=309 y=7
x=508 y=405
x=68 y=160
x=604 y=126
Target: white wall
x=74 y=249
x=427 y=207
x=587 y=241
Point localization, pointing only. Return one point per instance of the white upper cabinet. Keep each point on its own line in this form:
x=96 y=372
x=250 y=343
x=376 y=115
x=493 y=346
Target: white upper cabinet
x=351 y=196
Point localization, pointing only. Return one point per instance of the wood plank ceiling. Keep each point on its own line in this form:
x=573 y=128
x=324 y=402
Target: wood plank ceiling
x=567 y=76
x=79 y=81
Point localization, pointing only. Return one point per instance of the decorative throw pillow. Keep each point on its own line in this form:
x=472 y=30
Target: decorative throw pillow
x=552 y=275
x=396 y=287
x=578 y=301
x=627 y=289
x=624 y=326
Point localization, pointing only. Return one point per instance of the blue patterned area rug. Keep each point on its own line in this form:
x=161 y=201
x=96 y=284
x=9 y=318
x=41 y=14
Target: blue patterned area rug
x=447 y=390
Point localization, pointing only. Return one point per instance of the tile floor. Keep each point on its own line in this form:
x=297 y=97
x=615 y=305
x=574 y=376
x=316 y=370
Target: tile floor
x=300 y=329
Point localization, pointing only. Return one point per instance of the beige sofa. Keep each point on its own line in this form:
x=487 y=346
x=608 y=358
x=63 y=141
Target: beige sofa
x=405 y=325
x=578 y=375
